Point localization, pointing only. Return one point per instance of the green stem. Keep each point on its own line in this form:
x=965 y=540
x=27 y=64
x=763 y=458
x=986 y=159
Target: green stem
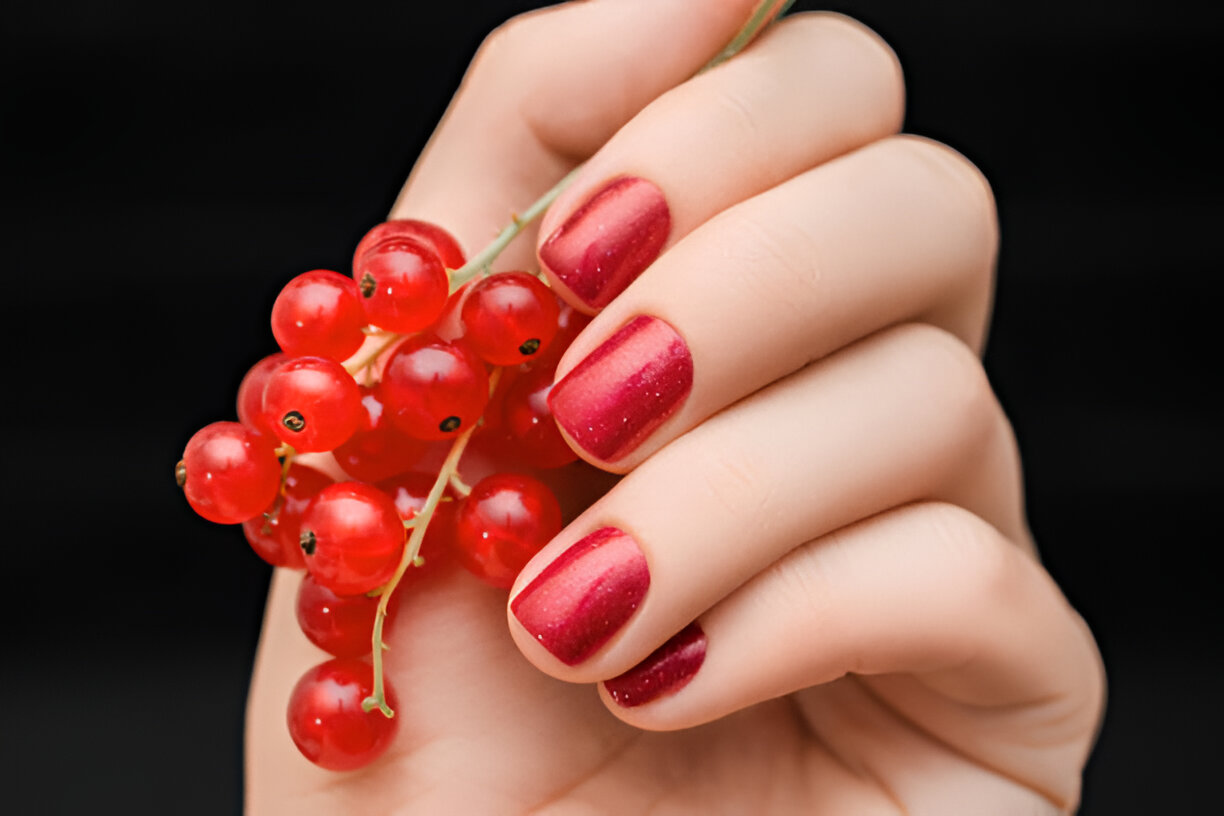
x=767 y=12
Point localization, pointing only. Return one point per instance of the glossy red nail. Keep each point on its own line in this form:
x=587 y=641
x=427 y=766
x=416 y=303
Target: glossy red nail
x=610 y=240
x=624 y=389
x=668 y=669
x=585 y=596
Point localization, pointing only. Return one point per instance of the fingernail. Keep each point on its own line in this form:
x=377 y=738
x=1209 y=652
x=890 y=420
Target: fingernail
x=624 y=389
x=610 y=240
x=584 y=597
x=668 y=669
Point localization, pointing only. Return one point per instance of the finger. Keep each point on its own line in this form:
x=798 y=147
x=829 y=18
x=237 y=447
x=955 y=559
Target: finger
x=543 y=92
x=903 y=416
x=903 y=229
x=814 y=87
x=1007 y=673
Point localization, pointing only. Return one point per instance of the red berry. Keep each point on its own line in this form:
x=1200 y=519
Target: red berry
x=229 y=472
x=439 y=240
x=319 y=313
x=274 y=534
x=570 y=323
x=505 y=521
x=376 y=450
x=326 y=721
x=510 y=317
x=341 y=625
x=352 y=537
x=528 y=422
x=250 y=394
x=403 y=285
x=313 y=403
x=434 y=389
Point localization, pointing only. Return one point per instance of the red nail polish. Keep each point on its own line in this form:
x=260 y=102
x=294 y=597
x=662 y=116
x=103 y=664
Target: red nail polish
x=624 y=389
x=668 y=669
x=580 y=600
x=610 y=240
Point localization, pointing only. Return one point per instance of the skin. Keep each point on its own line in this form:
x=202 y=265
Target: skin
x=851 y=536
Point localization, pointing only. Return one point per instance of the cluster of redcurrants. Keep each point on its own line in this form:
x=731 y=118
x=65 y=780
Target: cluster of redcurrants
x=425 y=382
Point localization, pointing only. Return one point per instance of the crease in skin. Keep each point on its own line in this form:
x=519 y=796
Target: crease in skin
x=916 y=728
x=631 y=739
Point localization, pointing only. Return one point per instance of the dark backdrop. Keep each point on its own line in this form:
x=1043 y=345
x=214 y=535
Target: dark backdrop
x=166 y=167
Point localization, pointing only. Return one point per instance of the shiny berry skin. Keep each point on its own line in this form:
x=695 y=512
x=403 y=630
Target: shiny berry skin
x=326 y=721
x=341 y=625
x=434 y=389
x=250 y=394
x=313 y=403
x=505 y=521
x=376 y=450
x=403 y=285
x=274 y=534
x=319 y=313
x=510 y=317
x=352 y=538
x=528 y=422
x=439 y=240
x=229 y=472
x=570 y=323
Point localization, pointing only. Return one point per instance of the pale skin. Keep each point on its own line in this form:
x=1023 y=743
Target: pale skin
x=838 y=501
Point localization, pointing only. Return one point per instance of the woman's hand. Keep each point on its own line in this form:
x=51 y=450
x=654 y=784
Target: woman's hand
x=813 y=590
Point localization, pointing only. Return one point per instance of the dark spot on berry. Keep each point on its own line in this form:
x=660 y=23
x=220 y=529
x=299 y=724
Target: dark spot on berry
x=368 y=285
x=294 y=421
x=530 y=347
x=180 y=473
x=308 y=542
x=449 y=424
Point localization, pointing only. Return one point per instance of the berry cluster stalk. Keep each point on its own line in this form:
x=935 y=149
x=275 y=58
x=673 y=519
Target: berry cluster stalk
x=762 y=16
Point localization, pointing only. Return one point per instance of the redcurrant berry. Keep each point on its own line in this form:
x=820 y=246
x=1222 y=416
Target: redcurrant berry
x=439 y=240
x=340 y=625
x=505 y=521
x=570 y=323
x=510 y=317
x=376 y=450
x=274 y=535
x=319 y=313
x=352 y=537
x=250 y=394
x=528 y=422
x=403 y=285
x=313 y=403
x=325 y=717
x=229 y=472
x=434 y=389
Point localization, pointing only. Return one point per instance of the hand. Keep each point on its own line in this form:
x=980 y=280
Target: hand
x=816 y=471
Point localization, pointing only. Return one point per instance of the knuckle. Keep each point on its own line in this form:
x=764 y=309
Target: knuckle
x=983 y=568
x=775 y=260
x=866 y=48
x=942 y=362
x=962 y=183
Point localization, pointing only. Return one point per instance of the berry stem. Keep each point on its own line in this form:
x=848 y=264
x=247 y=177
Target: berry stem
x=412 y=557
x=766 y=13
x=518 y=222
x=367 y=360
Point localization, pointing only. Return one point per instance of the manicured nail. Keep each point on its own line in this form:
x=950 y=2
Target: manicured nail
x=624 y=389
x=610 y=240
x=584 y=597
x=668 y=669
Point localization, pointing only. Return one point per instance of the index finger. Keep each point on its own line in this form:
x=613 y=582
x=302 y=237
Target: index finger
x=544 y=92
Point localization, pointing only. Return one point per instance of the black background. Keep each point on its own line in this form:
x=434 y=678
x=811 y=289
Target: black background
x=166 y=167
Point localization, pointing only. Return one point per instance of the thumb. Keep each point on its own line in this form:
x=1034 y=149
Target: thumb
x=544 y=92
